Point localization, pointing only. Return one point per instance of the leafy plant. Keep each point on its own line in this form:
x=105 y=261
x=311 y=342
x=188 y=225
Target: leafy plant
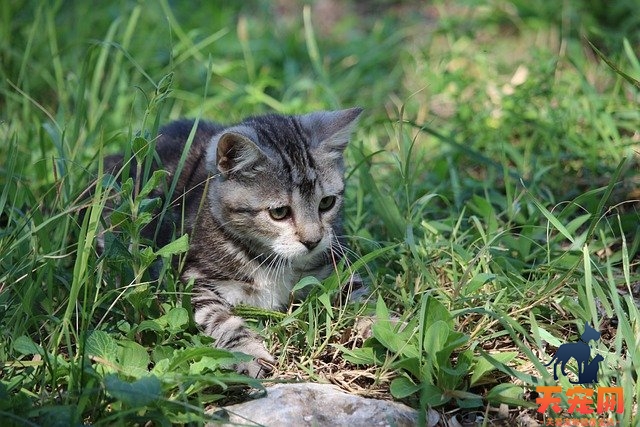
x=422 y=350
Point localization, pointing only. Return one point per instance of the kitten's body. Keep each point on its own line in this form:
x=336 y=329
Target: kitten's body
x=270 y=216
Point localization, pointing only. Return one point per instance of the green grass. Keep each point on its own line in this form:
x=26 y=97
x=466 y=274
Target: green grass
x=492 y=199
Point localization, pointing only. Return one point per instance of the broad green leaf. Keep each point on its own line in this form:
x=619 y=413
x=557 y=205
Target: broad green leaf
x=149 y=205
x=358 y=356
x=121 y=217
x=208 y=364
x=178 y=246
x=402 y=387
x=510 y=394
x=126 y=188
x=114 y=249
x=149 y=325
x=436 y=311
x=161 y=368
x=133 y=359
x=409 y=349
x=193 y=354
x=453 y=374
x=147 y=256
x=57 y=415
x=136 y=394
x=161 y=352
x=383 y=331
x=176 y=319
x=465 y=399
x=101 y=344
x=526 y=378
x=450 y=378
x=152 y=183
x=434 y=339
x=306 y=281
x=431 y=395
x=546 y=336
x=143 y=219
x=25 y=345
x=454 y=341
x=412 y=366
x=477 y=281
x=140 y=147
x=382 y=313
x=484 y=366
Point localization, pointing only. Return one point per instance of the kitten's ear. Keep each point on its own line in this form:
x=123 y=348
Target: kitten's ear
x=234 y=151
x=331 y=129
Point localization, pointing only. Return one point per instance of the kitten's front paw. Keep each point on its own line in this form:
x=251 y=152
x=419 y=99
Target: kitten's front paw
x=256 y=368
x=262 y=363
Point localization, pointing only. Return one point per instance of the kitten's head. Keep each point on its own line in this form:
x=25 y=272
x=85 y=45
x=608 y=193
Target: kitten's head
x=279 y=181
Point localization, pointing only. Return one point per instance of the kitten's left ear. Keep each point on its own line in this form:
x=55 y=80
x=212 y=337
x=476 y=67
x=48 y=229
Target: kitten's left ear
x=331 y=129
x=234 y=151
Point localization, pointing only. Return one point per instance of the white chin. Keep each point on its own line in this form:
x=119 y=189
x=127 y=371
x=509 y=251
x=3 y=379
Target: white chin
x=295 y=253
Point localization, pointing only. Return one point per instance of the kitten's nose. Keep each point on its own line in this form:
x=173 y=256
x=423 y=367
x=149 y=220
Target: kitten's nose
x=310 y=244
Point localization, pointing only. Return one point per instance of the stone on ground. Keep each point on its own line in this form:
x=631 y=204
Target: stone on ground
x=310 y=404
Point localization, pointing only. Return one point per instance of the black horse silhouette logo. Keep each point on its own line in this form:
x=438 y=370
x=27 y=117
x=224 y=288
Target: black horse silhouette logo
x=581 y=352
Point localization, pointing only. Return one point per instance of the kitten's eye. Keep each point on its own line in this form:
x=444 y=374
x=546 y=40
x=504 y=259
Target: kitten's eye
x=326 y=203
x=283 y=212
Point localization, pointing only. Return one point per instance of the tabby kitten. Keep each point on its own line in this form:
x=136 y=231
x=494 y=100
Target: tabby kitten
x=270 y=216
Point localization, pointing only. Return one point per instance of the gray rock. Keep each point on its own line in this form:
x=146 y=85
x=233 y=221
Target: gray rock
x=310 y=404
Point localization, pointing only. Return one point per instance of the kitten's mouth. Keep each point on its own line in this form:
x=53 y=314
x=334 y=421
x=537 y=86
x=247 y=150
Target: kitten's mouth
x=297 y=255
x=300 y=252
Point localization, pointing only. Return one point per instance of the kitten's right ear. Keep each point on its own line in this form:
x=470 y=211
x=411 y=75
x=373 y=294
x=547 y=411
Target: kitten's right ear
x=331 y=130
x=234 y=151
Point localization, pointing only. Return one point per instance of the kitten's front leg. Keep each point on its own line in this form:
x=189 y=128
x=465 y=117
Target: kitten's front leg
x=214 y=315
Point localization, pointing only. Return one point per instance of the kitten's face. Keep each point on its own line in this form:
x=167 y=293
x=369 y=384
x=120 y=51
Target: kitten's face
x=280 y=182
x=281 y=217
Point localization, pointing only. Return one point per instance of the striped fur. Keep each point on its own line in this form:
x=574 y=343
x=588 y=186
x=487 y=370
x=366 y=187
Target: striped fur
x=243 y=249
